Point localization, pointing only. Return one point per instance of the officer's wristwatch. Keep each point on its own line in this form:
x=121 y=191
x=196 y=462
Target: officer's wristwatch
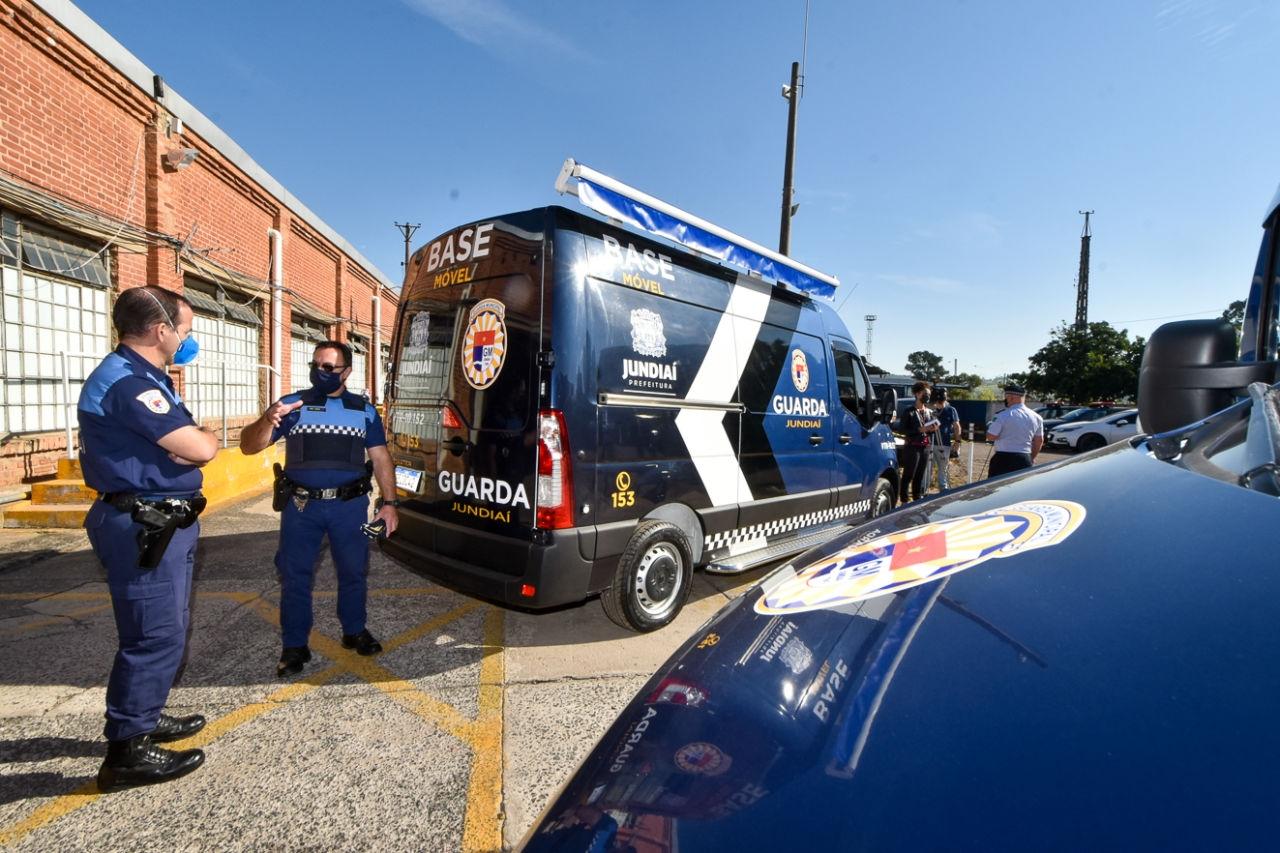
x=380 y=503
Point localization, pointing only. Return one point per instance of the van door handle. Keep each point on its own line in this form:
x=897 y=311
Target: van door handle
x=845 y=438
x=815 y=440
x=456 y=445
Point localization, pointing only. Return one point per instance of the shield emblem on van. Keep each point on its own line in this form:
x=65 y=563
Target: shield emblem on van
x=484 y=345
x=646 y=333
x=420 y=330
x=799 y=370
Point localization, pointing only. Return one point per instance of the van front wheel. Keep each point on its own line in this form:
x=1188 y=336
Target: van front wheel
x=882 y=499
x=653 y=578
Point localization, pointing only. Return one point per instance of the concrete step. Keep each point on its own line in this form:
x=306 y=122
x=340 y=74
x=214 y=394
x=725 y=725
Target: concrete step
x=28 y=514
x=69 y=469
x=62 y=492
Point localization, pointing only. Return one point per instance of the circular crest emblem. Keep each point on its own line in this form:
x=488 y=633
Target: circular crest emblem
x=799 y=370
x=484 y=346
x=702 y=759
x=918 y=555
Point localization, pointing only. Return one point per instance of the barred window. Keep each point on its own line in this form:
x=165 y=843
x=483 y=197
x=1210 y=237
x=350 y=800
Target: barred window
x=43 y=316
x=306 y=333
x=359 y=365
x=227 y=368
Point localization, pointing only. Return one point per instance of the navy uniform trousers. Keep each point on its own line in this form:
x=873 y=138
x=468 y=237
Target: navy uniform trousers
x=152 y=610
x=301 y=535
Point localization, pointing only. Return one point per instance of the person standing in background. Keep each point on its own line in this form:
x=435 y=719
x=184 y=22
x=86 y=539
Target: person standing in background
x=940 y=449
x=1018 y=434
x=917 y=424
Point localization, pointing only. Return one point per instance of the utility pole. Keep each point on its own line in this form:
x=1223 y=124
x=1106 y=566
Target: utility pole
x=1082 y=288
x=792 y=93
x=407 y=230
x=871 y=321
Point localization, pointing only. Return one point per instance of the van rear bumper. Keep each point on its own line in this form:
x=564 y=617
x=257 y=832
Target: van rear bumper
x=556 y=570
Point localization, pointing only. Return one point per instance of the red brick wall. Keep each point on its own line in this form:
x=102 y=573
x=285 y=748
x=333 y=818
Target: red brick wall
x=74 y=127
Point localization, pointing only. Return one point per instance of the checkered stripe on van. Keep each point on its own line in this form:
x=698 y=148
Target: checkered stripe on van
x=771 y=529
x=326 y=429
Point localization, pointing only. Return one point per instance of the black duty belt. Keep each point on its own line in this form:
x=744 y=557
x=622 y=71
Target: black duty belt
x=125 y=501
x=343 y=493
x=158 y=517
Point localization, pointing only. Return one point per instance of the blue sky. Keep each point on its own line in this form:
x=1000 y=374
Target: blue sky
x=944 y=147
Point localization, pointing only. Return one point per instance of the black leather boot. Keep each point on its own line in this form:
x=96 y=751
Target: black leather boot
x=363 y=643
x=137 y=761
x=291 y=661
x=176 y=728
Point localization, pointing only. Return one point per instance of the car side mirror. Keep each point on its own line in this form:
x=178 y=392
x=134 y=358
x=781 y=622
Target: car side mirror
x=1189 y=371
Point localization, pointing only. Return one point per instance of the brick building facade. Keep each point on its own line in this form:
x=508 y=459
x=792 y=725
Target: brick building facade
x=108 y=180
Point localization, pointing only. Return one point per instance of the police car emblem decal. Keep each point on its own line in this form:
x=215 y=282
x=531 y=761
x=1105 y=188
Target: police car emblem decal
x=799 y=370
x=420 y=329
x=647 y=337
x=484 y=346
x=702 y=759
x=912 y=557
x=154 y=400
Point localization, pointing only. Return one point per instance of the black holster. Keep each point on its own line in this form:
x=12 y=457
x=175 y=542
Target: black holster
x=159 y=520
x=280 y=489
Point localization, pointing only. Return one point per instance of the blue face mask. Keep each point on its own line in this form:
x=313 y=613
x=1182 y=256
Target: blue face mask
x=186 y=352
x=325 y=382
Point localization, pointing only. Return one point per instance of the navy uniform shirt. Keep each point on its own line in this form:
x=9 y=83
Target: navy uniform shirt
x=125 y=407
x=323 y=478
x=1014 y=428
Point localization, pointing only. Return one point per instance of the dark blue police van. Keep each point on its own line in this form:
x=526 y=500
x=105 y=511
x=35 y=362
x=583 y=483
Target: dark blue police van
x=576 y=408
x=1080 y=656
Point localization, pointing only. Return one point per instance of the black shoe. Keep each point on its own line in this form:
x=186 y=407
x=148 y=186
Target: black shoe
x=291 y=661
x=363 y=643
x=137 y=761
x=176 y=728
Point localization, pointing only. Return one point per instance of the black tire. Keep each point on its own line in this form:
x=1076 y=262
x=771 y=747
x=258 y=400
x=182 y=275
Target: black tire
x=881 y=498
x=1090 y=441
x=653 y=579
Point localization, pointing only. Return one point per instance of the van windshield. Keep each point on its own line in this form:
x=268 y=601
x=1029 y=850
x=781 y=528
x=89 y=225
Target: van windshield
x=473 y=347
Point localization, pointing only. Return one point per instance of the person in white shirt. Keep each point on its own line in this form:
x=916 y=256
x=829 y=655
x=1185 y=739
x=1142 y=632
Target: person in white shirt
x=1018 y=434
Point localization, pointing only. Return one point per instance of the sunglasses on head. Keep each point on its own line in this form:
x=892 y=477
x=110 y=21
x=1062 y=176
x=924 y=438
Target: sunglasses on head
x=327 y=367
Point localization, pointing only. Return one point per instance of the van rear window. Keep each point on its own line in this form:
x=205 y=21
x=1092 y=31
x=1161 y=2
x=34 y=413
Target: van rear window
x=473 y=347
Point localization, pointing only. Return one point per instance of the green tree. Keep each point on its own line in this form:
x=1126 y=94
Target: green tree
x=967 y=382
x=1235 y=314
x=923 y=364
x=1098 y=363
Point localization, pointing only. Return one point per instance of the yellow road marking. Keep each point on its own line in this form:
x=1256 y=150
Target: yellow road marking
x=88 y=793
x=482 y=822
x=55 y=620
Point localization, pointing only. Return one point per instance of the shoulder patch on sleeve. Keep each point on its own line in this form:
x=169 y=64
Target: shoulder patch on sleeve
x=155 y=401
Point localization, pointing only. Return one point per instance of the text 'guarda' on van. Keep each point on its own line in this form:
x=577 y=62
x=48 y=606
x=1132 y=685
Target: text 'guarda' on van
x=577 y=408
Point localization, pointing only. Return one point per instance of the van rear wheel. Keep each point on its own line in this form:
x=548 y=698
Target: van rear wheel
x=653 y=578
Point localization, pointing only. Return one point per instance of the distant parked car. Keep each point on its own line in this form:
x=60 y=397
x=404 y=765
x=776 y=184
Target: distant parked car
x=1082 y=414
x=1053 y=410
x=1090 y=435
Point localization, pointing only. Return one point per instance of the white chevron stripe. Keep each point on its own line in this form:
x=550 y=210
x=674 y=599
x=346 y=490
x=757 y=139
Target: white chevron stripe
x=716 y=381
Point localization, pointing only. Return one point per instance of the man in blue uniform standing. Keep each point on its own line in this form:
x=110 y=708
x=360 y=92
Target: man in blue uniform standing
x=142 y=453
x=324 y=489
x=1018 y=433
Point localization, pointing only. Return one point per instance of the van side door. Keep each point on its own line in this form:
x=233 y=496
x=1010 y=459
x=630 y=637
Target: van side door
x=856 y=442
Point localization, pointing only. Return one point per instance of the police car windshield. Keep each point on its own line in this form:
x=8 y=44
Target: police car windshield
x=1239 y=445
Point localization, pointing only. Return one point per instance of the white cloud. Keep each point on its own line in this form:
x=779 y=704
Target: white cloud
x=494 y=26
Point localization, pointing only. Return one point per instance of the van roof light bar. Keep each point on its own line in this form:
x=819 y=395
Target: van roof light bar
x=612 y=198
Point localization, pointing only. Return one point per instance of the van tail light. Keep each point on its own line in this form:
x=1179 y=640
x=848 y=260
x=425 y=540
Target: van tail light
x=448 y=418
x=555 y=489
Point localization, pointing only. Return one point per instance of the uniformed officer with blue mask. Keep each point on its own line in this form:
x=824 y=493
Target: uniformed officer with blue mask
x=323 y=490
x=142 y=452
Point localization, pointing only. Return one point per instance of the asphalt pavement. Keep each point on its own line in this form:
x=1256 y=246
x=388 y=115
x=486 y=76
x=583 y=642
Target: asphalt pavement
x=455 y=738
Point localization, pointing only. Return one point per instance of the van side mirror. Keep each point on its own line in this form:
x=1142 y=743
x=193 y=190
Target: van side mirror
x=888 y=408
x=1189 y=371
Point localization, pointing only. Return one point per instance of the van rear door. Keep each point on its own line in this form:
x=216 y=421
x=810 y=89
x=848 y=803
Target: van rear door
x=464 y=398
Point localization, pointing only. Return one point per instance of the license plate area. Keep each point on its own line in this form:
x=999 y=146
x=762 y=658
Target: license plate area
x=408 y=479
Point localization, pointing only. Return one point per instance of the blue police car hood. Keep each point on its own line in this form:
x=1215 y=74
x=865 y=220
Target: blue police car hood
x=1080 y=654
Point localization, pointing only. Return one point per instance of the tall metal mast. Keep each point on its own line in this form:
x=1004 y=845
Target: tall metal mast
x=1082 y=287
x=792 y=93
x=871 y=321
